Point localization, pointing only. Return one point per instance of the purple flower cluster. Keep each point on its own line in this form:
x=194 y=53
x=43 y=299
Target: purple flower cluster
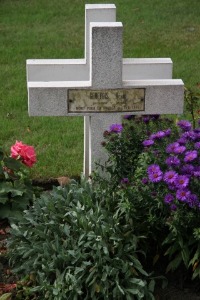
x=181 y=165
x=147 y=118
x=116 y=128
x=129 y=117
x=125 y=181
x=160 y=134
x=154 y=173
x=184 y=125
x=156 y=136
x=147 y=143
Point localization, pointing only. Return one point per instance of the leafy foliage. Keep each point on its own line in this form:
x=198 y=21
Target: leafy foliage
x=183 y=241
x=192 y=103
x=77 y=249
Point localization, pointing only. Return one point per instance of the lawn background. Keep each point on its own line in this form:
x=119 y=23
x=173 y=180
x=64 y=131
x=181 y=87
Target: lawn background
x=55 y=29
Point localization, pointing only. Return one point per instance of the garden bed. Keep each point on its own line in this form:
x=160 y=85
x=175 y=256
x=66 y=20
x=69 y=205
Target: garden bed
x=119 y=236
x=179 y=287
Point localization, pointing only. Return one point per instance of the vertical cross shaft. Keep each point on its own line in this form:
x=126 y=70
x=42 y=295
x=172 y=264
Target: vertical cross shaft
x=106 y=73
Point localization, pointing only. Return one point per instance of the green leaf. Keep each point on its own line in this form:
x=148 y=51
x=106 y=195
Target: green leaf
x=6 y=296
x=12 y=163
x=152 y=285
x=137 y=281
x=1 y=170
x=3 y=198
x=173 y=265
x=185 y=255
x=4 y=211
x=1 y=154
x=66 y=229
x=196 y=273
x=120 y=289
x=133 y=291
x=15 y=192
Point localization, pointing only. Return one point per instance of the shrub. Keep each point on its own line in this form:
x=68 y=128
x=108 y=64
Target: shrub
x=76 y=248
x=160 y=185
x=123 y=144
x=173 y=174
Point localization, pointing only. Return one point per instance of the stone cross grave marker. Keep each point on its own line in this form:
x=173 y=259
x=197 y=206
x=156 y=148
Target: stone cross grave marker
x=103 y=86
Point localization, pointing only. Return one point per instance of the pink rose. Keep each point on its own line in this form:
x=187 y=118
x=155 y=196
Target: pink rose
x=24 y=152
x=16 y=149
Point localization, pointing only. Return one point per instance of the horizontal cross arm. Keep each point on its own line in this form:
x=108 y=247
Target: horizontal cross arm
x=147 y=68
x=77 y=69
x=161 y=97
x=57 y=70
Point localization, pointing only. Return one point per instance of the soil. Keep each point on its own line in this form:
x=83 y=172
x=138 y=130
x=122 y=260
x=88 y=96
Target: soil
x=178 y=290
x=47 y=184
x=7 y=279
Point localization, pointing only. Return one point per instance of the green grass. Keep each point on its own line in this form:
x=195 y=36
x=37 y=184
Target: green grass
x=55 y=29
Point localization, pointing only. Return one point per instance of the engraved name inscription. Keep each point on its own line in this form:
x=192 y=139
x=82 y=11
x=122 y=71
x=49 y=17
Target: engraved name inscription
x=113 y=100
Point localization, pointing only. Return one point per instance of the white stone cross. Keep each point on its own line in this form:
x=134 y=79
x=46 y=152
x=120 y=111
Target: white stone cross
x=103 y=68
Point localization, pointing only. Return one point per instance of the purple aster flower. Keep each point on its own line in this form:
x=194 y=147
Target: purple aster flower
x=190 y=135
x=196 y=132
x=152 y=136
x=184 y=125
x=182 y=141
x=158 y=135
x=170 y=176
x=173 y=207
x=153 y=168
x=196 y=173
x=183 y=195
x=172 y=161
x=155 y=176
x=193 y=200
x=198 y=136
x=154 y=194
x=117 y=128
x=190 y=155
x=125 y=181
x=197 y=145
x=167 y=132
x=146 y=119
x=171 y=187
x=181 y=181
x=187 y=169
x=193 y=135
x=155 y=117
x=170 y=148
x=147 y=143
x=169 y=198
x=129 y=117
x=179 y=149
x=144 y=180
